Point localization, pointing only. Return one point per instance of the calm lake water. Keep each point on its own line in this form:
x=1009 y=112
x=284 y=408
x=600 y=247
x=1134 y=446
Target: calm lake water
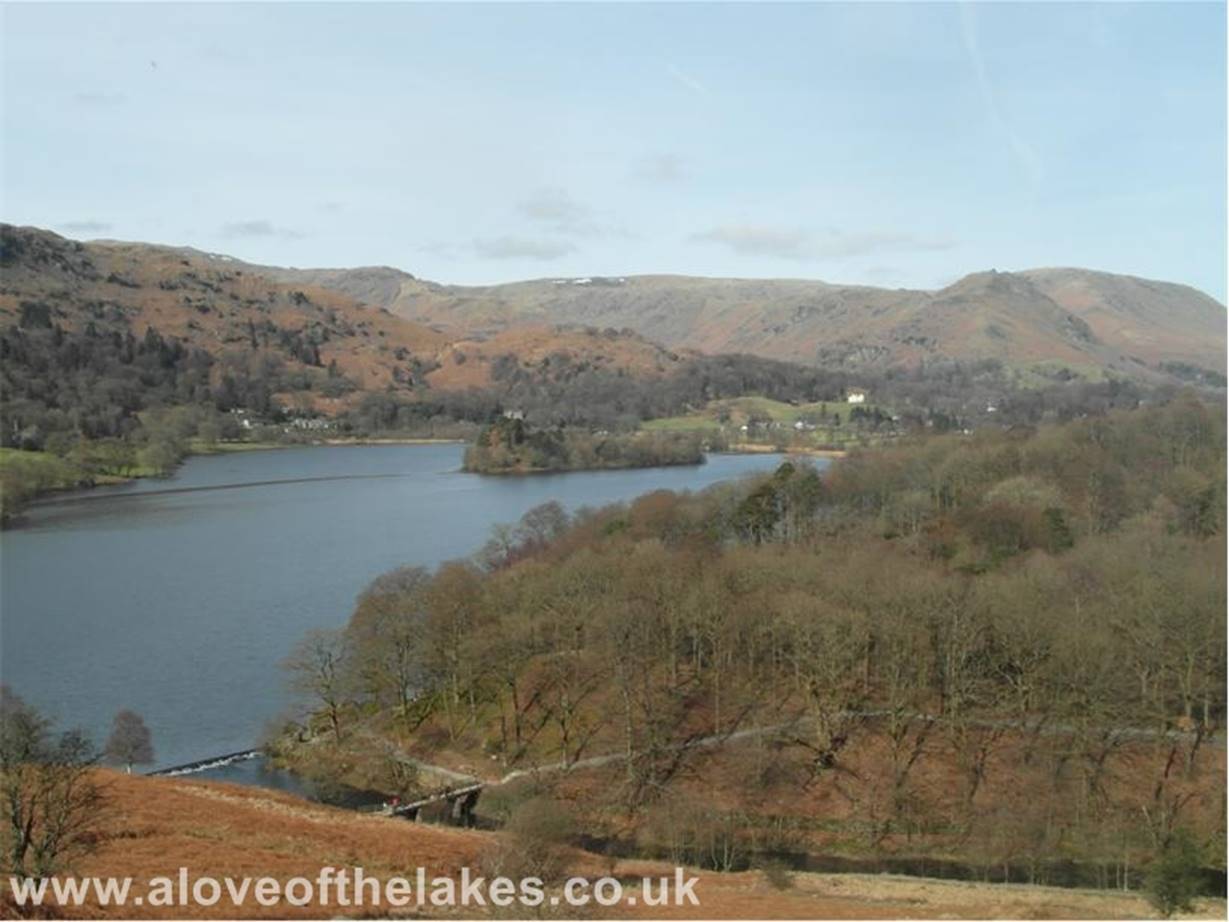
x=178 y=598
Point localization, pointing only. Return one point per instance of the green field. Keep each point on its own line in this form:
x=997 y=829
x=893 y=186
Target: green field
x=771 y=422
x=682 y=424
x=51 y=472
x=36 y=460
x=740 y=410
x=201 y=447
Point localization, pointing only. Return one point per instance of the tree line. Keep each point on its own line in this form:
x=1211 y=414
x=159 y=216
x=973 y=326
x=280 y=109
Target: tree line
x=509 y=446
x=1009 y=645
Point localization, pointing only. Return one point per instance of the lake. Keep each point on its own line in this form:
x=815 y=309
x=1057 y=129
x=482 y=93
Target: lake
x=178 y=598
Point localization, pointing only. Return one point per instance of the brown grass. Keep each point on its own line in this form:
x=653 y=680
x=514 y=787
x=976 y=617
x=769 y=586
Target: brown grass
x=154 y=826
x=749 y=895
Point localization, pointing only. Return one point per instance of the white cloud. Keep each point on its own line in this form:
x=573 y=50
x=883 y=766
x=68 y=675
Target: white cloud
x=799 y=243
x=553 y=205
x=85 y=227
x=661 y=168
x=99 y=99
x=259 y=228
x=688 y=81
x=556 y=209
x=756 y=240
x=512 y=247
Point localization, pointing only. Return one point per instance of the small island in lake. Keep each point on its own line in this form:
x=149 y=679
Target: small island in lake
x=510 y=446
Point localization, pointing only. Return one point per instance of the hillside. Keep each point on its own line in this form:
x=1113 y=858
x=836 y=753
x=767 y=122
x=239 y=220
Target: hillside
x=1050 y=320
x=388 y=330
x=238 y=318
x=96 y=334
x=233 y=311
x=930 y=651
x=153 y=827
x=117 y=359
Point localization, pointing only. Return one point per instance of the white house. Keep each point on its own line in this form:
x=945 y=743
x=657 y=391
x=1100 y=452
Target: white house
x=311 y=423
x=855 y=395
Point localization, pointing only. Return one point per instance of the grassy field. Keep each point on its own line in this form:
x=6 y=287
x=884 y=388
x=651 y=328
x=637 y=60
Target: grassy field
x=201 y=447
x=739 y=410
x=154 y=826
x=37 y=458
x=829 y=419
x=38 y=470
x=695 y=423
x=55 y=473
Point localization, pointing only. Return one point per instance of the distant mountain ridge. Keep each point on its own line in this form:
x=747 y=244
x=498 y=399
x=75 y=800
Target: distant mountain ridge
x=1049 y=323
x=1053 y=321
x=233 y=310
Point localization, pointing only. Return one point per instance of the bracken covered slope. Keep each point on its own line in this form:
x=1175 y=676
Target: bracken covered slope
x=153 y=827
x=1083 y=321
x=225 y=306
x=1056 y=322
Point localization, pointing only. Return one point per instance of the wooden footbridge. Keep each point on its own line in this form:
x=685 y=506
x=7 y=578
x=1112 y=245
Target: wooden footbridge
x=458 y=802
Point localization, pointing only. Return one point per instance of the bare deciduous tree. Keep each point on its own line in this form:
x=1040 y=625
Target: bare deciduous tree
x=130 y=742
x=318 y=669
x=49 y=800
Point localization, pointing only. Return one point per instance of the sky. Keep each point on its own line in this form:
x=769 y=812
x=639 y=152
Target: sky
x=901 y=145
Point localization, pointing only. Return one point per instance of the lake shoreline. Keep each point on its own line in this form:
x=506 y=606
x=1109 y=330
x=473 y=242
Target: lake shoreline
x=199 y=449
x=764 y=449
x=223 y=448
x=219 y=583
x=533 y=471
x=202 y=450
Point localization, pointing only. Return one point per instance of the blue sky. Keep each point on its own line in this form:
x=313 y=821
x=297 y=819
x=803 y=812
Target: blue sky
x=889 y=144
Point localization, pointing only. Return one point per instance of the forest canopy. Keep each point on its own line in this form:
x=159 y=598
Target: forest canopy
x=510 y=446
x=956 y=636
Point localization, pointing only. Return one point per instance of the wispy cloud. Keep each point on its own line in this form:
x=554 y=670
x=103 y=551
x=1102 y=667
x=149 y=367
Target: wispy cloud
x=512 y=247
x=757 y=240
x=884 y=275
x=85 y=227
x=1027 y=159
x=259 y=228
x=442 y=248
x=688 y=81
x=553 y=205
x=94 y=98
x=551 y=224
x=800 y=243
x=661 y=168
x=555 y=208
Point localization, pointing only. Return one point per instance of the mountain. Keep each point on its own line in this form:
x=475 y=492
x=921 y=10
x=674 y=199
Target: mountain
x=1058 y=322
x=382 y=329
x=302 y=320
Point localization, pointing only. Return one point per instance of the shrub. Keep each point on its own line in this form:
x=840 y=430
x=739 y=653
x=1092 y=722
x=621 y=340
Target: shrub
x=534 y=843
x=1173 y=878
x=778 y=875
